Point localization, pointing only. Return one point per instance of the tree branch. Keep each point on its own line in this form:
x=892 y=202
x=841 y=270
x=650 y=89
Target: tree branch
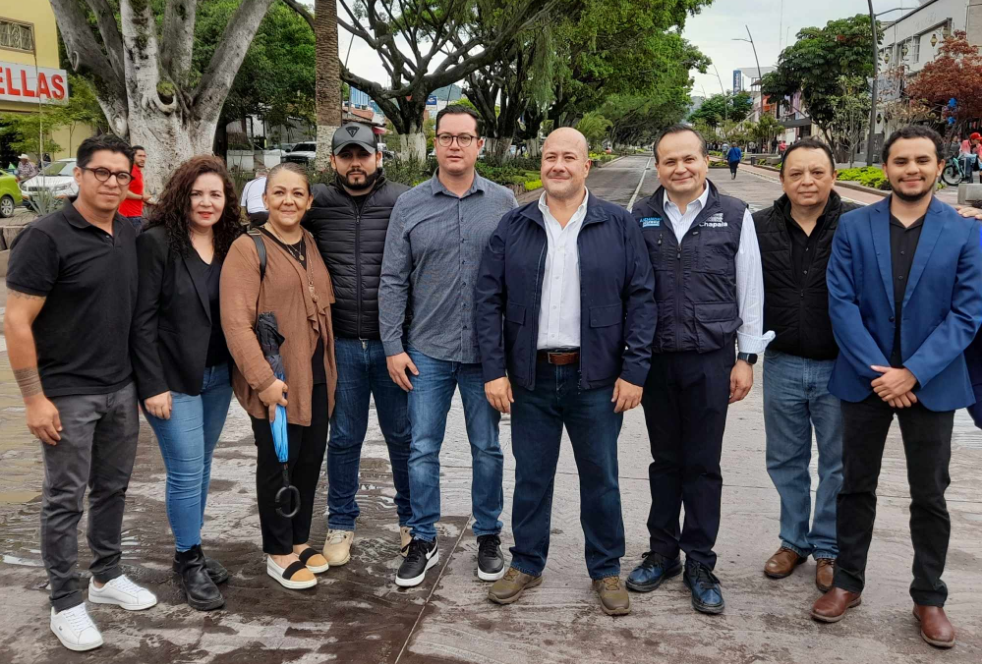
x=109 y=31
x=303 y=11
x=225 y=62
x=177 y=42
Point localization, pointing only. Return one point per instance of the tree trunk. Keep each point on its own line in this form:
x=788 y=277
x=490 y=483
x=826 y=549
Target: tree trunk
x=169 y=142
x=414 y=145
x=501 y=148
x=532 y=145
x=328 y=78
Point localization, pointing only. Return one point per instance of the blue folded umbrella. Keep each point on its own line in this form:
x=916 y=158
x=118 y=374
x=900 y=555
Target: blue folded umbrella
x=270 y=340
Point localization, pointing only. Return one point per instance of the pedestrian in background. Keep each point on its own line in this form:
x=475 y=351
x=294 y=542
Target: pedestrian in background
x=733 y=158
x=136 y=197
x=295 y=286
x=73 y=289
x=252 y=199
x=795 y=238
x=349 y=218
x=709 y=290
x=905 y=297
x=573 y=334
x=25 y=168
x=433 y=248
x=180 y=357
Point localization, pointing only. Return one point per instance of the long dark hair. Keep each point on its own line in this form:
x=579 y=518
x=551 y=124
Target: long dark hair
x=173 y=211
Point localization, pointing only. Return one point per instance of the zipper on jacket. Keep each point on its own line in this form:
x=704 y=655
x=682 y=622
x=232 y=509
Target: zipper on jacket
x=358 y=270
x=535 y=320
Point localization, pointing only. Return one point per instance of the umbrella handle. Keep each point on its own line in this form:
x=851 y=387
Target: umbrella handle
x=288 y=497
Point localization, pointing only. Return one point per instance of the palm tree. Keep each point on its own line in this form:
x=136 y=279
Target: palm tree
x=328 y=78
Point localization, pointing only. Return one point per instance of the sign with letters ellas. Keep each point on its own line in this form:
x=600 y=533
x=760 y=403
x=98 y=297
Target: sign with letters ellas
x=25 y=83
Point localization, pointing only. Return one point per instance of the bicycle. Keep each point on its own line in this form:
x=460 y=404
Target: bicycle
x=954 y=171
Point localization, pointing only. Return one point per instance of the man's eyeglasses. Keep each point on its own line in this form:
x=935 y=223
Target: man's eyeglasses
x=463 y=140
x=103 y=175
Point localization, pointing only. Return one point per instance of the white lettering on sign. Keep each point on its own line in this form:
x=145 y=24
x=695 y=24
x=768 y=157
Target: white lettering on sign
x=26 y=83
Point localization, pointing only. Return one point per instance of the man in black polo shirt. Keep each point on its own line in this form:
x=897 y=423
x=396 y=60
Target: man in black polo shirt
x=73 y=281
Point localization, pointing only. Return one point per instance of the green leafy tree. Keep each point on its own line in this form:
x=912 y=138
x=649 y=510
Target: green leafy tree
x=82 y=109
x=764 y=130
x=720 y=108
x=816 y=63
x=23 y=131
x=594 y=127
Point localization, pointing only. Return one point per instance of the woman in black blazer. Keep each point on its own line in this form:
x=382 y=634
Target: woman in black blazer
x=180 y=357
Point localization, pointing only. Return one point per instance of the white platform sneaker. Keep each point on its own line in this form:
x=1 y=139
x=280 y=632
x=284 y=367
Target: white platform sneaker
x=75 y=629
x=123 y=593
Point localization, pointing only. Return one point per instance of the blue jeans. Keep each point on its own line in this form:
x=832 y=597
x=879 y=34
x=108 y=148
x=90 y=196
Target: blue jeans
x=796 y=398
x=538 y=417
x=429 y=403
x=187 y=442
x=362 y=374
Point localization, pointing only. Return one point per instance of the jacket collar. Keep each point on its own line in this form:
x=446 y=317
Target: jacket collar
x=379 y=184
x=595 y=213
x=711 y=193
x=436 y=187
x=830 y=213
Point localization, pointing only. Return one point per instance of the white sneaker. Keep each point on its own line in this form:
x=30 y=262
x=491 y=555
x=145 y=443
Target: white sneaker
x=122 y=592
x=75 y=629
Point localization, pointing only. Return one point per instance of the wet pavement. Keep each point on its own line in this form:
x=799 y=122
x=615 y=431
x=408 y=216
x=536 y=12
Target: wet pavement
x=357 y=615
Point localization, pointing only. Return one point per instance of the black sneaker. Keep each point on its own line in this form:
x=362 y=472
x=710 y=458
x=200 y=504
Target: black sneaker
x=490 y=562
x=421 y=556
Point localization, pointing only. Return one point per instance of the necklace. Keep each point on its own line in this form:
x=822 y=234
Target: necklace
x=298 y=251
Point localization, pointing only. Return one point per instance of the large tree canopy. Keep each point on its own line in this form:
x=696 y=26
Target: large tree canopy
x=720 y=108
x=955 y=74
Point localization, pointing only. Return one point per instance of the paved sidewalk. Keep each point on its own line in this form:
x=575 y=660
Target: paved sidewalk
x=357 y=615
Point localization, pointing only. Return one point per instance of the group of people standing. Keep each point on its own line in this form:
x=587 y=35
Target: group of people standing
x=564 y=313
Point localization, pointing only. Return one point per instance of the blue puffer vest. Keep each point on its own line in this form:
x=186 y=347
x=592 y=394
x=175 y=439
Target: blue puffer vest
x=695 y=284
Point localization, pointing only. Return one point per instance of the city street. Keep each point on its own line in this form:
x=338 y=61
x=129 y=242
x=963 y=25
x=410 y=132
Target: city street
x=357 y=615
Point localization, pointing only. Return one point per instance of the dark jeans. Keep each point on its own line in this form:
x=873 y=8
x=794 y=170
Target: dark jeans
x=362 y=374
x=685 y=401
x=97 y=448
x=734 y=165
x=927 y=445
x=307 y=446
x=538 y=417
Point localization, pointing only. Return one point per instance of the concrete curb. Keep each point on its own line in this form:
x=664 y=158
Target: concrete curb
x=858 y=187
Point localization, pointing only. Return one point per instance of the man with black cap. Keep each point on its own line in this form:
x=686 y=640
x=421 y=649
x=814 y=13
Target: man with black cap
x=349 y=219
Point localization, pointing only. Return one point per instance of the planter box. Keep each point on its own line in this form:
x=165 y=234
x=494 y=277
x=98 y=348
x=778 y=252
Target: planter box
x=268 y=158
x=243 y=160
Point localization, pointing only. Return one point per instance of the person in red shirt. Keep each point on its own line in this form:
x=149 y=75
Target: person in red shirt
x=132 y=205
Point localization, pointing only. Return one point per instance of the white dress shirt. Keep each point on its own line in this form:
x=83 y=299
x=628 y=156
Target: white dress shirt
x=749 y=273
x=252 y=195
x=559 y=309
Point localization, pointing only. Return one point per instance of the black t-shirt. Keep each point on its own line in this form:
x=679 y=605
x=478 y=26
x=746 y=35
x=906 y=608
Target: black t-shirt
x=298 y=252
x=89 y=278
x=903 y=244
x=803 y=247
x=210 y=275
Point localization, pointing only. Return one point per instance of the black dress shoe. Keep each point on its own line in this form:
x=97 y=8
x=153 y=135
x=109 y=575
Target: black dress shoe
x=201 y=591
x=490 y=561
x=214 y=568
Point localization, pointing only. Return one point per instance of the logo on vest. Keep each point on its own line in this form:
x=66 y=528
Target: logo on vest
x=650 y=222
x=714 y=221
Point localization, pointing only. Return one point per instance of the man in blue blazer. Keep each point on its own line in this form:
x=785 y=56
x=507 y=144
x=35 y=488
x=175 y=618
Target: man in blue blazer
x=905 y=298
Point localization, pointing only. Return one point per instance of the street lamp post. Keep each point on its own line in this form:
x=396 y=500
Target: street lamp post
x=876 y=68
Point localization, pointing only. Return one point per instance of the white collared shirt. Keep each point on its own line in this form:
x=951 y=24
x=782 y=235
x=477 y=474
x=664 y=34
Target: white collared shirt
x=559 y=309
x=749 y=273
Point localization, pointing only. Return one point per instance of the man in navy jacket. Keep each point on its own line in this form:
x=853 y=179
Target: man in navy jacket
x=905 y=298
x=565 y=307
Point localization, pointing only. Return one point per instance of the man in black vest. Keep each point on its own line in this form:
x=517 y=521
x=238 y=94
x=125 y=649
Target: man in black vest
x=709 y=291
x=349 y=220
x=795 y=237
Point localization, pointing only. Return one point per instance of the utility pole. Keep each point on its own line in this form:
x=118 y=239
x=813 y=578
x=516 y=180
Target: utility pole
x=876 y=73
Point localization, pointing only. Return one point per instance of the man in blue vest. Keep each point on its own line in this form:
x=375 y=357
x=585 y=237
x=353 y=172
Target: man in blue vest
x=710 y=294
x=564 y=304
x=905 y=298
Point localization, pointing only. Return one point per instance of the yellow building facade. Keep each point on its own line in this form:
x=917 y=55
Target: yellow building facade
x=30 y=73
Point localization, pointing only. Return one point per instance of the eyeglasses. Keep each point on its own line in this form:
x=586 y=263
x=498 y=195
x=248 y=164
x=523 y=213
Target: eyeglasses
x=103 y=175
x=463 y=140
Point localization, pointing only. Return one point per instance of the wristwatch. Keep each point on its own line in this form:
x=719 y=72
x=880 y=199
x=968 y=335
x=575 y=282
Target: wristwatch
x=749 y=358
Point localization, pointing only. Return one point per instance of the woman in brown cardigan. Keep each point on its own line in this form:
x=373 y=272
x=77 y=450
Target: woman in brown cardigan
x=297 y=289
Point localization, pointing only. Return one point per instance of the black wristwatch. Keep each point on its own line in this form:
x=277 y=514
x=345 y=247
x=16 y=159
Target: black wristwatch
x=749 y=358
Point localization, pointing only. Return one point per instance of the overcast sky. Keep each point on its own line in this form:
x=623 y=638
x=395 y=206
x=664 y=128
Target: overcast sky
x=712 y=31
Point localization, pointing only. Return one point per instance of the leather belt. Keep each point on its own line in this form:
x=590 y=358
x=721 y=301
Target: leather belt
x=558 y=358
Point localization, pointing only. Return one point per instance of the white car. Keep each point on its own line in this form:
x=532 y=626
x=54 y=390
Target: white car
x=302 y=153
x=57 y=178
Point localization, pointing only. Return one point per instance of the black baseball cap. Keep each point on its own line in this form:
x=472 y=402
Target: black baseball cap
x=354 y=133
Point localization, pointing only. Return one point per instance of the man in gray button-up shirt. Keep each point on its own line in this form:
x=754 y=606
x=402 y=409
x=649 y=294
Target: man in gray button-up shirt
x=433 y=247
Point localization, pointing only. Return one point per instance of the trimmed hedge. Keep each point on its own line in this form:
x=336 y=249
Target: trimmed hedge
x=867 y=176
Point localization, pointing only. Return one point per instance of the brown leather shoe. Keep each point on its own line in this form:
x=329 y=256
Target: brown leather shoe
x=824 y=573
x=782 y=563
x=832 y=606
x=935 y=627
x=510 y=587
x=614 y=599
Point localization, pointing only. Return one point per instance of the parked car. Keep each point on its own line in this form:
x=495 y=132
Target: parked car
x=302 y=153
x=57 y=179
x=10 y=196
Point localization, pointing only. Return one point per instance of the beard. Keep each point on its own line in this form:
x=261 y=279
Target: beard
x=367 y=184
x=911 y=198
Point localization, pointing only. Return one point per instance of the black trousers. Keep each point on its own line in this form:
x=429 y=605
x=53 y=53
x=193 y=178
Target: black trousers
x=307 y=448
x=927 y=445
x=685 y=401
x=734 y=165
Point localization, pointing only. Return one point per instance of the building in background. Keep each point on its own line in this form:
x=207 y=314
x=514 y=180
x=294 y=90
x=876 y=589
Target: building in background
x=30 y=75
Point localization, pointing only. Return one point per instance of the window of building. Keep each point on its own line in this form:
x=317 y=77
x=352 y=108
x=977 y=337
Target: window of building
x=915 y=50
x=16 y=36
